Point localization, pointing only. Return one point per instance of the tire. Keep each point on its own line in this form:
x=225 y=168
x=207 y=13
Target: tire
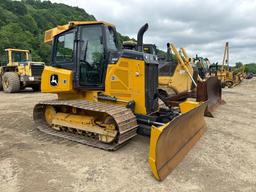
x=11 y=82
x=36 y=88
x=229 y=84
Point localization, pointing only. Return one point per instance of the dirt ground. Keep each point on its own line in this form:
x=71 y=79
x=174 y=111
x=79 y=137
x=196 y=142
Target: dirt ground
x=223 y=160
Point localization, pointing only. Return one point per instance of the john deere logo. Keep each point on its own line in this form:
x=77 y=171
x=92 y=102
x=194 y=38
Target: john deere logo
x=54 y=80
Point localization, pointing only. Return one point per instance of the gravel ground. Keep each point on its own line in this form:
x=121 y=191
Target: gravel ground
x=223 y=160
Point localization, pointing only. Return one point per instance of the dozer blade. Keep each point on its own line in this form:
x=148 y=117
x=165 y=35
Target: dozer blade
x=210 y=91
x=170 y=143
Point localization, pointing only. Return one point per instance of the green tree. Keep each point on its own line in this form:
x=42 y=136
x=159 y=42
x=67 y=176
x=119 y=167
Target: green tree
x=239 y=64
x=250 y=68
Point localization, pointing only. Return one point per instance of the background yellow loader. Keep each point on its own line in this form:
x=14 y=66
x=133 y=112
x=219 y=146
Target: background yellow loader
x=20 y=71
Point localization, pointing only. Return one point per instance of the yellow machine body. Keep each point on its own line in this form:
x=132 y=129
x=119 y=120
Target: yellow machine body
x=111 y=115
x=178 y=135
x=124 y=81
x=180 y=81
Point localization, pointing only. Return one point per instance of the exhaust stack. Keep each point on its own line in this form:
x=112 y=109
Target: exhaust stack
x=140 y=34
x=169 y=53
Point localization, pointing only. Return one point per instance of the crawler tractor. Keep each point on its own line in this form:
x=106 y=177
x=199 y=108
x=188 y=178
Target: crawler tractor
x=106 y=95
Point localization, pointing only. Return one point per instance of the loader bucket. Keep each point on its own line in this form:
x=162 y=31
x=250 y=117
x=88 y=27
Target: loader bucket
x=210 y=91
x=170 y=143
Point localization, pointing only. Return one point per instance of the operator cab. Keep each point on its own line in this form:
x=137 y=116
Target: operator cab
x=19 y=57
x=15 y=56
x=85 y=49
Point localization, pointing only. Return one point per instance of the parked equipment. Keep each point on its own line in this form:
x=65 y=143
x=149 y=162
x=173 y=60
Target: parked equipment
x=176 y=76
x=20 y=72
x=184 y=79
x=106 y=95
x=174 y=85
x=228 y=76
x=179 y=80
x=249 y=76
x=208 y=87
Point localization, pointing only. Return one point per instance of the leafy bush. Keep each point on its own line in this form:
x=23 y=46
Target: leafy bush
x=250 y=68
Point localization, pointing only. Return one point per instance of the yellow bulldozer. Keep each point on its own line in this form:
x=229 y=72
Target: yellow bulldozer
x=176 y=77
x=20 y=71
x=106 y=95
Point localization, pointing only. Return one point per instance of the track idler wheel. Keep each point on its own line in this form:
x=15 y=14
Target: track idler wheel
x=109 y=123
x=49 y=114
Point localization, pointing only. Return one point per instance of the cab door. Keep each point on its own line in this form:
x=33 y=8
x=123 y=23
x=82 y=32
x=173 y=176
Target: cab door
x=91 y=61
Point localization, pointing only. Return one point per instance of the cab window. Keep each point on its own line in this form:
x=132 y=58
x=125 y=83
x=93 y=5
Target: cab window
x=18 y=56
x=64 y=50
x=110 y=37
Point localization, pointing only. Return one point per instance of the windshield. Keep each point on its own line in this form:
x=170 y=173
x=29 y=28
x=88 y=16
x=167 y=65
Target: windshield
x=91 y=55
x=19 y=57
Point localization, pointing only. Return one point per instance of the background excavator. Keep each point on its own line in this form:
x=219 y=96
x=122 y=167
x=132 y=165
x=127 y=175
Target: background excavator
x=107 y=94
x=20 y=71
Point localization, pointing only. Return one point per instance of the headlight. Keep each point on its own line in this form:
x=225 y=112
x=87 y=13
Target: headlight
x=31 y=78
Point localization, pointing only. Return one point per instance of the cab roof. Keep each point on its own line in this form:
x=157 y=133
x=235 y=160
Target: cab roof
x=18 y=50
x=51 y=33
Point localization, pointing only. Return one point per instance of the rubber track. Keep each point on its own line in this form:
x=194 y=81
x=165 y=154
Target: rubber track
x=124 y=117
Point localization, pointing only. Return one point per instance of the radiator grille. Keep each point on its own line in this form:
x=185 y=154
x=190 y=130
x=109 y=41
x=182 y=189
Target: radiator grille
x=37 y=70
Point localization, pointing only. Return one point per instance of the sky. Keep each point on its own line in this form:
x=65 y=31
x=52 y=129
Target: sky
x=201 y=27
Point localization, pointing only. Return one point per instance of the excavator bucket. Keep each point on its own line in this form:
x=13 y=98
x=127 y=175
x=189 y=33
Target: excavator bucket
x=170 y=143
x=210 y=91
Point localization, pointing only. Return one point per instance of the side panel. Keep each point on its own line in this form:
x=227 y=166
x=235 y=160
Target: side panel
x=55 y=80
x=126 y=81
